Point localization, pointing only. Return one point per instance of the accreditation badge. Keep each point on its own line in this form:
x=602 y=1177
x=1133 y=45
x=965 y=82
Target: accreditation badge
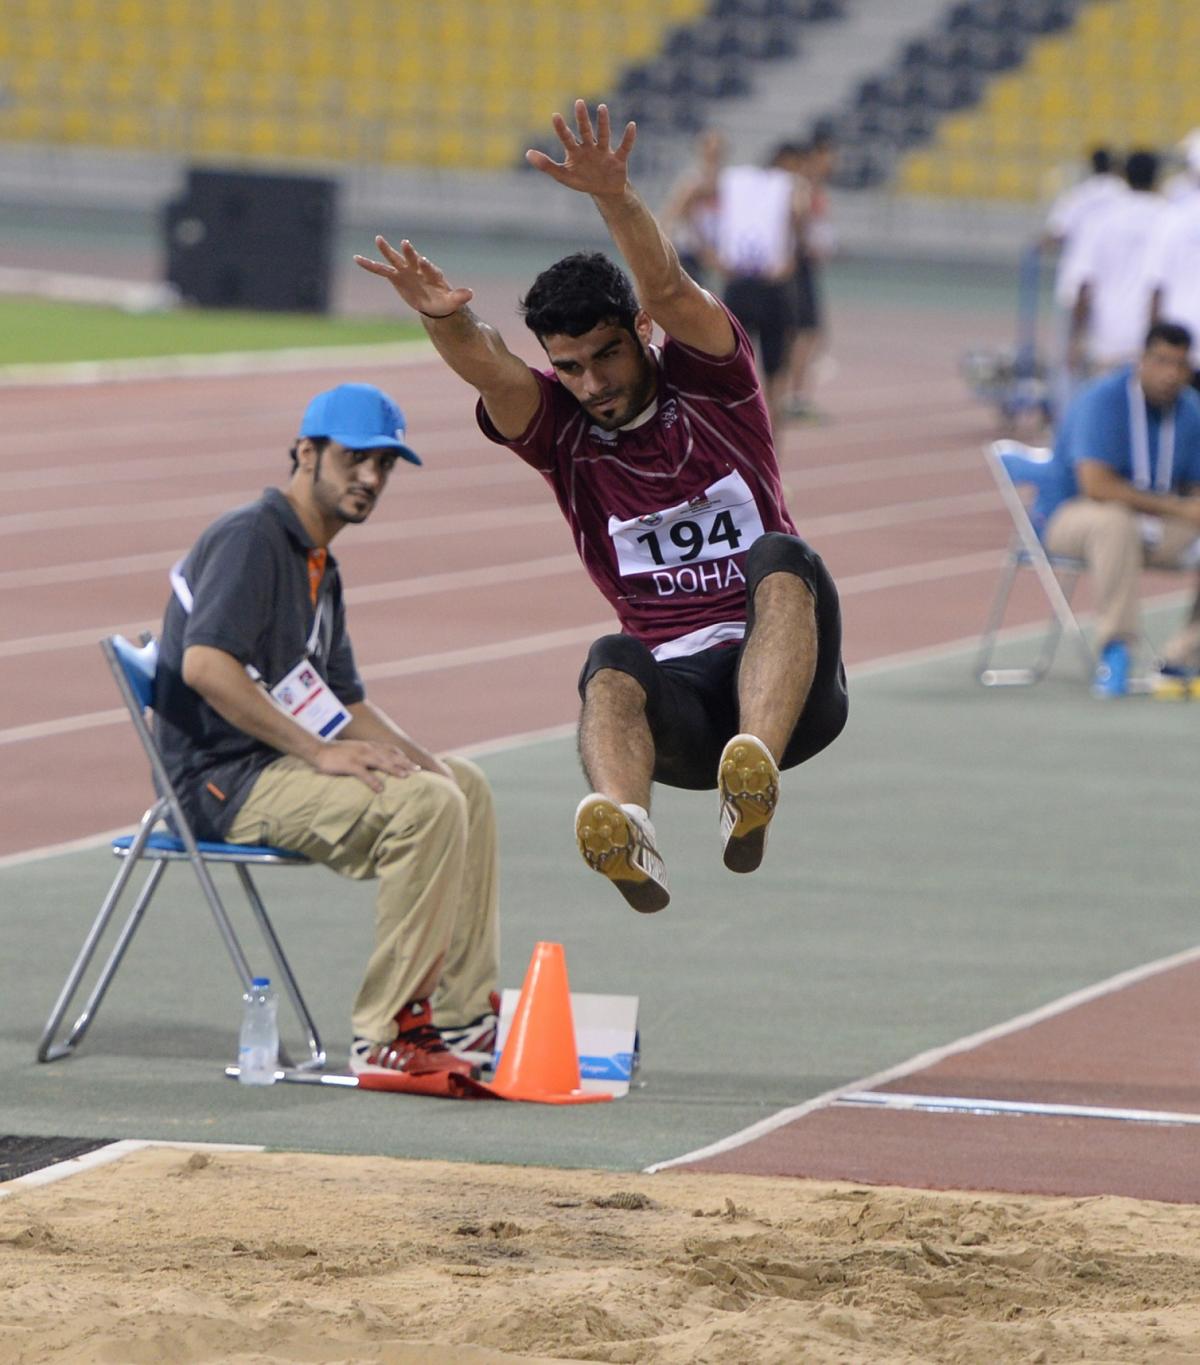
x=305 y=696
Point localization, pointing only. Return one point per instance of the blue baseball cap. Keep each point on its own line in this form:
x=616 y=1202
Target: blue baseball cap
x=359 y=417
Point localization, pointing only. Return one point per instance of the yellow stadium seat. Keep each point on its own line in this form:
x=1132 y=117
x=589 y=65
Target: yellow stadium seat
x=459 y=83
x=1123 y=73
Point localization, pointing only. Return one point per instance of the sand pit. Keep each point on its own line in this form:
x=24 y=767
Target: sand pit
x=168 y=1257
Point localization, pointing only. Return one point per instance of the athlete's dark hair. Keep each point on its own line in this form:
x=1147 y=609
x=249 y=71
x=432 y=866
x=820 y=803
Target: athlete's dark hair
x=578 y=293
x=1170 y=334
x=1141 y=170
x=319 y=441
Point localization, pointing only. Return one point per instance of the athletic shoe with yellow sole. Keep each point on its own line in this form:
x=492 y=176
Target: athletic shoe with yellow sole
x=619 y=844
x=748 y=781
x=1172 y=683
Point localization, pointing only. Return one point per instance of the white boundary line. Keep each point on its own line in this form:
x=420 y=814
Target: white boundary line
x=103 y=1156
x=888 y=1099
x=34 y=855
x=294 y=358
x=923 y=1060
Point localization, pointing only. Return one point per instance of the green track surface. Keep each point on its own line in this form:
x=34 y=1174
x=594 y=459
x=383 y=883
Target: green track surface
x=958 y=857
x=36 y=331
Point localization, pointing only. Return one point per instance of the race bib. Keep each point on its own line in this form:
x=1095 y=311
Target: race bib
x=304 y=695
x=721 y=521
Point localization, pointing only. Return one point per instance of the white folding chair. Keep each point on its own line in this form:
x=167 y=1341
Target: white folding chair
x=1015 y=466
x=134 y=668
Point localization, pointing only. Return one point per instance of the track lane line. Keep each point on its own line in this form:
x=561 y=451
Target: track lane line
x=965 y=1104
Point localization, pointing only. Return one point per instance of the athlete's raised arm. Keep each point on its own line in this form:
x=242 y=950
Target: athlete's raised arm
x=592 y=165
x=473 y=349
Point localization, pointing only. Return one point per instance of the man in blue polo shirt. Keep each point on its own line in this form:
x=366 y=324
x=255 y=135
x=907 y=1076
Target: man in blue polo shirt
x=1128 y=459
x=269 y=738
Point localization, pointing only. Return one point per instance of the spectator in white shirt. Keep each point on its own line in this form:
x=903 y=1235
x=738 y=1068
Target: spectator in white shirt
x=1074 y=204
x=1105 y=272
x=1185 y=183
x=1067 y=215
x=763 y=210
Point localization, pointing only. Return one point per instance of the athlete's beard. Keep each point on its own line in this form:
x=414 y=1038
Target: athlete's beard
x=641 y=393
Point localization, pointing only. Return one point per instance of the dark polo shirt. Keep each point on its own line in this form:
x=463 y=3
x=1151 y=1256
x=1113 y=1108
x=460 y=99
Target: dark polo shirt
x=249 y=579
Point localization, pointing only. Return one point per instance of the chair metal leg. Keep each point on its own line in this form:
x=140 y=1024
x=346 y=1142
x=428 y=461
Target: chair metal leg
x=316 y=1051
x=220 y=915
x=1062 y=621
x=1054 y=633
x=92 y=1007
x=987 y=643
x=48 y=1051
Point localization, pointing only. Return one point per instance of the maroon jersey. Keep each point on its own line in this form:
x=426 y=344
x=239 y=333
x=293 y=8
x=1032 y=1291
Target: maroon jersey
x=664 y=510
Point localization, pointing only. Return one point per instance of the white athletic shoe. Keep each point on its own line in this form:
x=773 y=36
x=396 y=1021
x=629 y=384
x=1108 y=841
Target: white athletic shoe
x=619 y=844
x=748 y=780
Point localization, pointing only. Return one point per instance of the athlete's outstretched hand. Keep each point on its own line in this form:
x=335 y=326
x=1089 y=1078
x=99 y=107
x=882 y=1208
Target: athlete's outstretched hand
x=592 y=165
x=416 y=279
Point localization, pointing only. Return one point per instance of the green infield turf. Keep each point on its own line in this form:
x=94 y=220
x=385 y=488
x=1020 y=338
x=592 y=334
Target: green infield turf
x=35 y=331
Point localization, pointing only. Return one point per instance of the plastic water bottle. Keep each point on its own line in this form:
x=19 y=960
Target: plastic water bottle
x=258 y=1042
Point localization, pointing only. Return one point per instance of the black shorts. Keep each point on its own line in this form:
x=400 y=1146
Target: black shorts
x=765 y=308
x=691 y=702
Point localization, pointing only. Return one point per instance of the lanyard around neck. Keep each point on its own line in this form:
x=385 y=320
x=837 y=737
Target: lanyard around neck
x=1139 y=442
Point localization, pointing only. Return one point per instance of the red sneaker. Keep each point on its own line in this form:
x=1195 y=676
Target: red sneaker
x=476 y=1042
x=417 y=1049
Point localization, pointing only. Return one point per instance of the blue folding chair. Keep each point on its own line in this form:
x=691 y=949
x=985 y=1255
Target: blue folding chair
x=1014 y=467
x=134 y=670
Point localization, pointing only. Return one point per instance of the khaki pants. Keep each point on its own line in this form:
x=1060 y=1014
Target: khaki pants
x=1108 y=535
x=432 y=844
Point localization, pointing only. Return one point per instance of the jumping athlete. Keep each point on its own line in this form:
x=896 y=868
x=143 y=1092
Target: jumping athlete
x=728 y=665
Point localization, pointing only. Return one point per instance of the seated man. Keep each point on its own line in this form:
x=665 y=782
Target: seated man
x=728 y=665
x=1128 y=455
x=310 y=764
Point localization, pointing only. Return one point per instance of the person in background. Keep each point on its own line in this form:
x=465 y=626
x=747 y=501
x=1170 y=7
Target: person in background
x=1068 y=213
x=269 y=738
x=763 y=210
x=1105 y=271
x=1184 y=182
x=1127 y=495
x=1173 y=258
x=817 y=243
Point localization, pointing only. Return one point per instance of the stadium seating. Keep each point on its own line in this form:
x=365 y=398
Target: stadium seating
x=1119 y=72
x=402 y=82
x=379 y=80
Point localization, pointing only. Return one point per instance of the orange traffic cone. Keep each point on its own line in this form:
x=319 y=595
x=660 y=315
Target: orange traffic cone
x=540 y=1062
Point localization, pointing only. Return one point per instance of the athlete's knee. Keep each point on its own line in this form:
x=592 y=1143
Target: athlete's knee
x=615 y=690
x=618 y=668
x=776 y=553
